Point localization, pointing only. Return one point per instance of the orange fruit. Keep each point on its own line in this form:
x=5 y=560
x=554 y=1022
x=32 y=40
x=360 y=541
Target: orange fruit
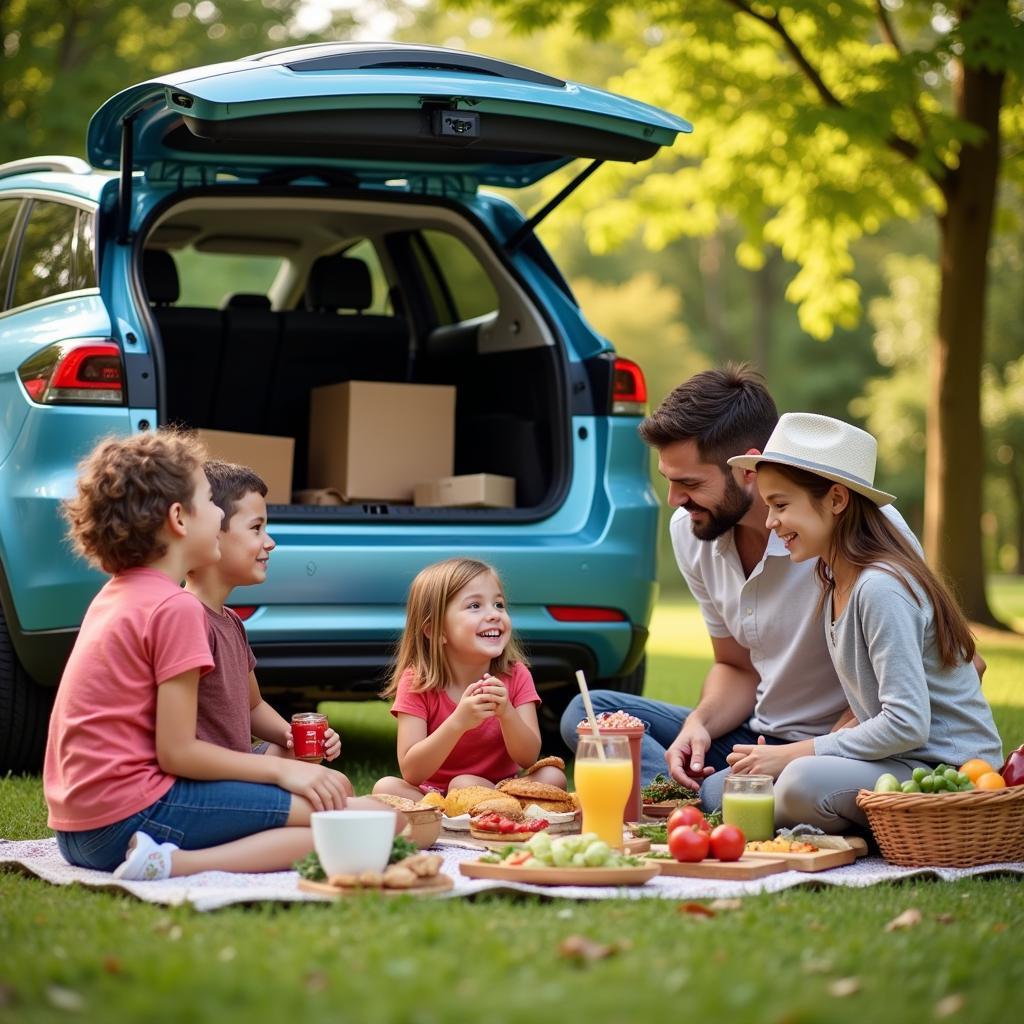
x=990 y=780
x=975 y=768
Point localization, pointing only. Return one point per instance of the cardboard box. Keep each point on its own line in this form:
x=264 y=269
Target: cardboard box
x=270 y=457
x=474 y=490
x=374 y=442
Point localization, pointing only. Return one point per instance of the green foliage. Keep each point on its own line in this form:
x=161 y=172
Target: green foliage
x=63 y=58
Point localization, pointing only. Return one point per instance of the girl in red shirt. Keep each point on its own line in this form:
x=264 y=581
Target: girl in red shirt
x=464 y=697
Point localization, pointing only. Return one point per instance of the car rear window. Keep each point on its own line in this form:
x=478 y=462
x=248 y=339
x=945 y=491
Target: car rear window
x=208 y=278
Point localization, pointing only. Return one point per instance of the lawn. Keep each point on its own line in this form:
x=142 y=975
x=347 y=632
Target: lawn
x=801 y=956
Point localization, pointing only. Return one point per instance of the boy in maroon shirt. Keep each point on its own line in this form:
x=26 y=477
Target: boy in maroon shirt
x=231 y=711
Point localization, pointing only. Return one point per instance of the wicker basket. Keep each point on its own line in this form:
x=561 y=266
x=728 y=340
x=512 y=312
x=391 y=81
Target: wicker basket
x=953 y=830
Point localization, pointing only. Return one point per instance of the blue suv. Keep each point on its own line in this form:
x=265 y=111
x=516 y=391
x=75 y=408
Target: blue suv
x=342 y=190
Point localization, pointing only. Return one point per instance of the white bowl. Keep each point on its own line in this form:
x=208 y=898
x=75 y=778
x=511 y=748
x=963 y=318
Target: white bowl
x=348 y=842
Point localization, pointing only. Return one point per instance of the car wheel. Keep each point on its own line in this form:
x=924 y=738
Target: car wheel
x=24 y=712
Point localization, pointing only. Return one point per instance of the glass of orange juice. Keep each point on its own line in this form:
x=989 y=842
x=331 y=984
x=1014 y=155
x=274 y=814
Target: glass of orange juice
x=604 y=777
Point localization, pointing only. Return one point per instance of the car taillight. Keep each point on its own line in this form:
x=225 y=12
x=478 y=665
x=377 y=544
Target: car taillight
x=244 y=611
x=584 y=613
x=629 y=389
x=75 y=373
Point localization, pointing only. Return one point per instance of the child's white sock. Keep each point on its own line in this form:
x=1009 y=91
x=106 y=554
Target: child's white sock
x=146 y=860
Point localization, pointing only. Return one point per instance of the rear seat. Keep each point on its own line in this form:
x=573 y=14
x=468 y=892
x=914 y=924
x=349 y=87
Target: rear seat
x=192 y=343
x=252 y=340
x=320 y=346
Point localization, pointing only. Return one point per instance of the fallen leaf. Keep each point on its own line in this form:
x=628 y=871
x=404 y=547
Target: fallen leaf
x=843 y=987
x=725 y=904
x=584 y=950
x=999 y=927
x=949 y=1005
x=908 y=919
x=945 y=918
x=112 y=965
x=65 y=999
x=7 y=996
x=697 y=909
x=815 y=926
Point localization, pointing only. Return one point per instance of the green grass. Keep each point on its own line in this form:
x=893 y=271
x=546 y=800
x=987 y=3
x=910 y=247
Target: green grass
x=97 y=956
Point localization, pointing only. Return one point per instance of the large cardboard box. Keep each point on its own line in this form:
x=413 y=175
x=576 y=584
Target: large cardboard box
x=270 y=457
x=474 y=490
x=374 y=441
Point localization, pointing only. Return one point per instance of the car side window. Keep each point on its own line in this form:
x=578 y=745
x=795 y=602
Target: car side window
x=46 y=262
x=85 y=252
x=464 y=285
x=8 y=218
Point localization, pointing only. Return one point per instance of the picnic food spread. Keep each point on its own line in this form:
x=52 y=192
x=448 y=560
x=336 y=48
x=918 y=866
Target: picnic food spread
x=662 y=794
x=543 y=851
x=615 y=720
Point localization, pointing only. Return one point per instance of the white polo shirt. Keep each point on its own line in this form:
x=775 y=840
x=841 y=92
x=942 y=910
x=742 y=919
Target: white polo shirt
x=772 y=613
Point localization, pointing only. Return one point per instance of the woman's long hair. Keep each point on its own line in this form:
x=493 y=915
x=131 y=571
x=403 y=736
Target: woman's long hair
x=422 y=647
x=864 y=537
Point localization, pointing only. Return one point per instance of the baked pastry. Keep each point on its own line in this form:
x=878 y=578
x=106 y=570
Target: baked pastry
x=547 y=798
x=546 y=762
x=462 y=801
x=399 y=803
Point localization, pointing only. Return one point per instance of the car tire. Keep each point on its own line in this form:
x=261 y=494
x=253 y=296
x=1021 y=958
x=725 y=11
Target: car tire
x=24 y=712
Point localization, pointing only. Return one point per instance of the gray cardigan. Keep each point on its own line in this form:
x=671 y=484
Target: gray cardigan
x=907 y=703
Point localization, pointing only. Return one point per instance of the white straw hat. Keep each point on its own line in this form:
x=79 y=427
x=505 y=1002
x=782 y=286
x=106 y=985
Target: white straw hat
x=830 y=448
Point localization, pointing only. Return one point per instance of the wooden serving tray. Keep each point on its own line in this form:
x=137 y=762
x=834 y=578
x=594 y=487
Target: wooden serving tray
x=820 y=860
x=425 y=887
x=740 y=870
x=560 y=876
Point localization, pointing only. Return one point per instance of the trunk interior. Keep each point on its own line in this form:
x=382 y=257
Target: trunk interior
x=258 y=301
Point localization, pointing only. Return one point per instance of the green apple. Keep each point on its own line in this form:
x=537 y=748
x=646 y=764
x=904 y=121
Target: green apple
x=887 y=783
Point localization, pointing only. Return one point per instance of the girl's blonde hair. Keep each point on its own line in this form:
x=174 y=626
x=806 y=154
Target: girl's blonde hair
x=429 y=596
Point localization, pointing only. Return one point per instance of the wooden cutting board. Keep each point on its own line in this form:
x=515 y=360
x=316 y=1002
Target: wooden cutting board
x=562 y=876
x=740 y=870
x=425 y=887
x=820 y=860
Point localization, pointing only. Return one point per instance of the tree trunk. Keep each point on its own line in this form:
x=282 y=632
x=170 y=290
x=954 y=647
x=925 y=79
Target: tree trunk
x=955 y=463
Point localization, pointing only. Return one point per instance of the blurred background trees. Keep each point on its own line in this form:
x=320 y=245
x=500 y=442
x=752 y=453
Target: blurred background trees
x=803 y=226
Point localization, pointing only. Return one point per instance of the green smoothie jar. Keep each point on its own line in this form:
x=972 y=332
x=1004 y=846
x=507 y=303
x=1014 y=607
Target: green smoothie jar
x=748 y=802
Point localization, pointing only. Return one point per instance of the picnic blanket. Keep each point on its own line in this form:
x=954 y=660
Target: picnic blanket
x=214 y=889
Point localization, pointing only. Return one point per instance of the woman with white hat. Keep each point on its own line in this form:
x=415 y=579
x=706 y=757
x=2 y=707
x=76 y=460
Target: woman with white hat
x=900 y=644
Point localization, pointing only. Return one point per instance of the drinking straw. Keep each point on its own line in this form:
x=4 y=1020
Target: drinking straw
x=581 y=679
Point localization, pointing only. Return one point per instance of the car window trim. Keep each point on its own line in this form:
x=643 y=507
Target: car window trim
x=14 y=247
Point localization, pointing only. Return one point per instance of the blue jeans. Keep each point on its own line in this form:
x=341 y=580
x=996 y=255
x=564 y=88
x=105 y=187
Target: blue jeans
x=192 y=815
x=663 y=723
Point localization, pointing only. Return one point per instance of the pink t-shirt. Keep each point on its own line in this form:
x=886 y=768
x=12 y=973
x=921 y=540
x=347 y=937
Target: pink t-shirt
x=480 y=751
x=223 y=714
x=101 y=766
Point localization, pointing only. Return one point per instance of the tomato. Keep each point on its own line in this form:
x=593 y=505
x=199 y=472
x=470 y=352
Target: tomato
x=689 y=844
x=687 y=816
x=727 y=842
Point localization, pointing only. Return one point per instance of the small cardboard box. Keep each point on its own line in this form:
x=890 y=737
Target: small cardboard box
x=474 y=490
x=270 y=457
x=374 y=441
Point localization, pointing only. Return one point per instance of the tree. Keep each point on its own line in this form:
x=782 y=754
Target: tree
x=816 y=123
x=63 y=58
